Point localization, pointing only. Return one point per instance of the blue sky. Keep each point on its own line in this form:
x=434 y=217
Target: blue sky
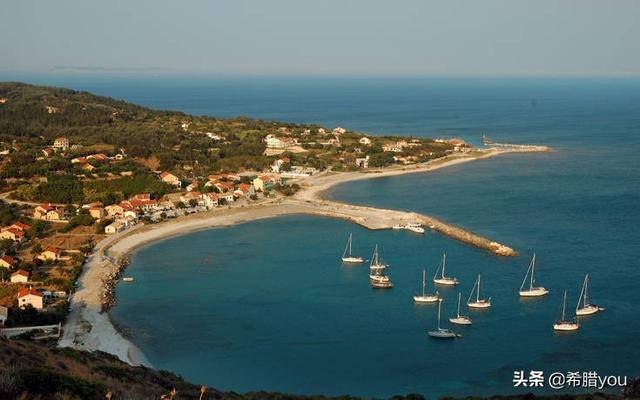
x=328 y=37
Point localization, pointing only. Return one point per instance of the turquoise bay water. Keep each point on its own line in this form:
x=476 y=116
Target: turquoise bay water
x=266 y=305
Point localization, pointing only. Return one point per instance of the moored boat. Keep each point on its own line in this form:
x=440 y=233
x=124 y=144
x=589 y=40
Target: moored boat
x=441 y=279
x=531 y=291
x=563 y=324
x=584 y=308
x=478 y=303
x=460 y=319
x=442 y=333
x=426 y=297
x=347 y=256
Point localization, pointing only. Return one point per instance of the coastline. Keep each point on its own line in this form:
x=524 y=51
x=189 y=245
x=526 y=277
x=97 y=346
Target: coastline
x=87 y=328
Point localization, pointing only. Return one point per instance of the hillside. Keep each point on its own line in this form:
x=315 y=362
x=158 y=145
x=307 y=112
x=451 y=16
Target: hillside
x=37 y=371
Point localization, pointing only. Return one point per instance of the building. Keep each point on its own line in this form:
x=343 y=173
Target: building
x=79 y=160
x=7 y=261
x=278 y=142
x=20 y=226
x=97 y=212
x=48 y=212
x=365 y=140
x=227 y=197
x=47 y=152
x=362 y=162
x=61 y=144
x=115 y=210
x=262 y=183
x=50 y=253
x=20 y=276
x=30 y=296
x=171 y=179
x=14 y=234
x=210 y=200
x=115 y=227
x=187 y=197
x=339 y=130
x=277 y=164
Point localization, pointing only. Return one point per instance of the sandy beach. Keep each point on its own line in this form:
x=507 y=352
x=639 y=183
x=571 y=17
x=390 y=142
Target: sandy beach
x=87 y=328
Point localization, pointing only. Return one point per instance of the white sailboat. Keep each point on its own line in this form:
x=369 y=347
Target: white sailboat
x=442 y=279
x=531 y=291
x=442 y=333
x=347 y=256
x=460 y=319
x=376 y=263
x=376 y=275
x=478 y=302
x=563 y=324
x=584 y=307
x=426 y=298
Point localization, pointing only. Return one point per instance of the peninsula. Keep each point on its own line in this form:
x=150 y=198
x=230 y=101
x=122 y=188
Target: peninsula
x=87 y=179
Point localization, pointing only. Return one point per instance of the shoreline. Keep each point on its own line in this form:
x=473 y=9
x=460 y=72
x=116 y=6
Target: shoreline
x=88 y=328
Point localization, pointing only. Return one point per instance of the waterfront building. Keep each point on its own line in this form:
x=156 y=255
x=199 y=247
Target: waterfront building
x=20 y=276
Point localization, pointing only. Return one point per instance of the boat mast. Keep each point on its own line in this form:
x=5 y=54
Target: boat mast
x=527 y=275
x=472 y=290
x=586 y=289
x=478 y=292
x=423 y=281
x=444 y=261
x=439 y=305
x=459 y=295
x=533 y=271
x=347 y=248
x=564 y=304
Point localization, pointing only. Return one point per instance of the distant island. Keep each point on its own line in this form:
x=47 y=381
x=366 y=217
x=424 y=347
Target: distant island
x=79 y=173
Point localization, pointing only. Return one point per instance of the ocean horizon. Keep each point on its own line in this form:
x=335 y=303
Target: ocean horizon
x=267 y=305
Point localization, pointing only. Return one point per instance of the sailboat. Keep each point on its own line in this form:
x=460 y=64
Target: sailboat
x=441 y=279
x=531 y=291
x=442 y=333
x=478 y=302
x=563 y=324
x=426 y=298
x=460 y=319
x=376 y=275
x=348 y=257
x=584 y=307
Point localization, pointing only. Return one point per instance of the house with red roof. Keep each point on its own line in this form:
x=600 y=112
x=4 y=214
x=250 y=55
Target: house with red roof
x=61 y=143
x=7 y=261
x=30 y=297
x=20 y=276
x=210 y=200
x=51 y=253
x=12 y=234
x=171 y=179
x=49 y=212
x=20 y=226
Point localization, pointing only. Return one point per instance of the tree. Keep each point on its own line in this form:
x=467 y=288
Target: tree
x=193 y=202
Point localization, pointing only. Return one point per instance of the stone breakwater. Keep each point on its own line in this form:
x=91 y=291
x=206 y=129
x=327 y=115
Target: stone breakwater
x=377 y=218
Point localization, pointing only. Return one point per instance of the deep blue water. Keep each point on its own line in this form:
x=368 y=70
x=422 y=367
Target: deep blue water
x=266 y=305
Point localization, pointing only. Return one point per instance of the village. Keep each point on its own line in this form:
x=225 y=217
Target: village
x=44 y=248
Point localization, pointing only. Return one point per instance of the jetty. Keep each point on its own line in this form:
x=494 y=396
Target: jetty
x=379 y=218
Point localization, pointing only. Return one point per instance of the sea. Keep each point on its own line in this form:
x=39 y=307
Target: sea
x=267 y=305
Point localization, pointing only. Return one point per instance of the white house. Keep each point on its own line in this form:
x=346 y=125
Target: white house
x=210 y=200
x=30 y=296
x=171 y=179
x=20 y=276
x=276 y=142
x=365 y=140
x=115 y=227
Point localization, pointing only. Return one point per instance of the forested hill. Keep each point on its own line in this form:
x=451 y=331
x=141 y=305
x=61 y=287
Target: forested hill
x=38 y=114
